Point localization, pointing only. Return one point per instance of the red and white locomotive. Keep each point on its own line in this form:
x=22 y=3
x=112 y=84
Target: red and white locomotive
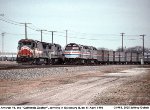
x=35 y=52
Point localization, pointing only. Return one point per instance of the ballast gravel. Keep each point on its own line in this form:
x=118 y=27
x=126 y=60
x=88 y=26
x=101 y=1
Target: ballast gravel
x=34 y=73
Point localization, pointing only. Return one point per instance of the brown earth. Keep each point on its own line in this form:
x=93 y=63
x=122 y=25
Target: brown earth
x=132 y=92
x=109 y=86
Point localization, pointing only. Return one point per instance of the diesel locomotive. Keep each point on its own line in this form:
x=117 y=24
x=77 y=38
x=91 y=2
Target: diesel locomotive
x=35 y=52
x=80 y=54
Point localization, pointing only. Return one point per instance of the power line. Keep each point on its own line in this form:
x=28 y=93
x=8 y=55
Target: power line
x=92 y=38
x=65 y=35
x=17 y=23
x=35 y=26
x=10 y=22
x=31 y=28
x=13 y=33
x=18 y=34
x=92 y=34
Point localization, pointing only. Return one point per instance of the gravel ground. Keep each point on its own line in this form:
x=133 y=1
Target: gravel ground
x=28 y=74
x=134 y=91
x=95 y=85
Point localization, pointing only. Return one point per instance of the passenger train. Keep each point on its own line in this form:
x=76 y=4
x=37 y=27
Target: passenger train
x=80 y=54
x=35 y=52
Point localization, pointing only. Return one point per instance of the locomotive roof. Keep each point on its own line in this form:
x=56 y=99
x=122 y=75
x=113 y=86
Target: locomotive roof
x=73 y=44
x=22 y=40
x=84 y=46
x=50 y=44
x=57 y=45
x=45 y=43
x=94 y=48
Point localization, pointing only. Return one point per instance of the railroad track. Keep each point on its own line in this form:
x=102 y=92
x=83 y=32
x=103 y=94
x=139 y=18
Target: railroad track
x=17 y=66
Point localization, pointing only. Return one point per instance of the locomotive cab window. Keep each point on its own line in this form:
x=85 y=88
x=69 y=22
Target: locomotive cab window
x=27 y=43
x=72 y=48
x=20 y=45
x=24 y=43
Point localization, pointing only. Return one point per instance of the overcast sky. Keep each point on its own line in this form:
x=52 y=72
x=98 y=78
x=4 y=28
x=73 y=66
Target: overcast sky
x=90 y=22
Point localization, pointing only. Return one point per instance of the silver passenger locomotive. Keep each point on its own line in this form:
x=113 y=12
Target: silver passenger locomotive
x=80 y=54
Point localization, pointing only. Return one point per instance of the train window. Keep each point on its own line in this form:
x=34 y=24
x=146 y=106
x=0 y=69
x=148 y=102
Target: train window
x=68 y=48
x=33 y=45
x=44 y=46
x=86 y=47
x=50 y=47
x=20 y=45
x=75 y=48
x=27 y=43
x=72 y=48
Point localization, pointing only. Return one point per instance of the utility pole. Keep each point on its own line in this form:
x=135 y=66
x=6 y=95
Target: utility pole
x=25 y=29
x=3 y=42
x=122 y=40
x=41 y=33
x=66 y=36
x=52 y=34
x=143 y=44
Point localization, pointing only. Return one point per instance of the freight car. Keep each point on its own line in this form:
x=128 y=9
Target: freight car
x=147 y=58
x=35 y=52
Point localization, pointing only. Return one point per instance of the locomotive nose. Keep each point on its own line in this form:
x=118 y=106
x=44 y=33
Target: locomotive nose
x=25 y=52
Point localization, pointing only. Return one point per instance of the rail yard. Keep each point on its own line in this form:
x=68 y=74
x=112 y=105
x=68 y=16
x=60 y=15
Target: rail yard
x=90 y=53
x=75 y=85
